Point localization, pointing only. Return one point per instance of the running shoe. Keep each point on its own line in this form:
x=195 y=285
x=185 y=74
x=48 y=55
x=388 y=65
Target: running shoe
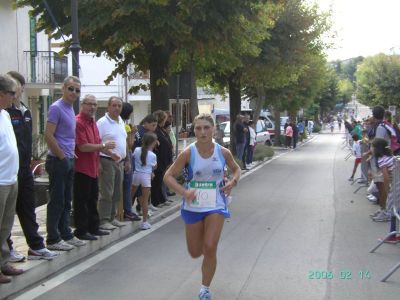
x=375 y=213
x=41 y=254
x=107 y=226
x=372 y=198
x=60 y=246
x=391 y=240
x=351 y=179
x=16 y=256
x=76 y=242
x=117 y=223
x=152 y=207
x=383 y=216
x=145 y=226
x=205 y=295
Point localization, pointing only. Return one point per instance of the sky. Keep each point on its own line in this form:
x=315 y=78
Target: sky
x=363 y=27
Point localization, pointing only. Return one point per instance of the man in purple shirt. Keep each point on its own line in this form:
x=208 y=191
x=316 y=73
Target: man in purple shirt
x=60 y=138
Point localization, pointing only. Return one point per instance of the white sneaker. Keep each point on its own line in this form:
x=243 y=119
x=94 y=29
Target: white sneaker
x=117 y=223
x=16 y=256
x=372 y=198
x=150 y=213
x=107 y=226
x=41 y=254
x=60 y=246
x=383 y=216
x=76 y=242
x=145 y=226
x=152 y=207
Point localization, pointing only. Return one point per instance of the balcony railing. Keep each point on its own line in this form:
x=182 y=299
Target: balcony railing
x=45 y=67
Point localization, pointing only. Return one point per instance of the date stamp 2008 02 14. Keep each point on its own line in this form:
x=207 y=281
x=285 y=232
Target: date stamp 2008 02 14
x=344 y=274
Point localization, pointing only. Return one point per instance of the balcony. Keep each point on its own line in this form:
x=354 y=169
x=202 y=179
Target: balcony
x=45 y=67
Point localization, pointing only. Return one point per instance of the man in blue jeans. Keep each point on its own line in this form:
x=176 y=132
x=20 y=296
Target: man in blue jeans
x=60 y=138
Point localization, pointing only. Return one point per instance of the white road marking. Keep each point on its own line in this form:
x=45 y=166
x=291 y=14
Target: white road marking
x=83 y=266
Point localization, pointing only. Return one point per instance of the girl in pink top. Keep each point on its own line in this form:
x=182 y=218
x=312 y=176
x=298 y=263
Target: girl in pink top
x=289 y=135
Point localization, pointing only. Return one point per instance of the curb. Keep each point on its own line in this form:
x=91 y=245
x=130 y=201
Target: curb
x=36 y=271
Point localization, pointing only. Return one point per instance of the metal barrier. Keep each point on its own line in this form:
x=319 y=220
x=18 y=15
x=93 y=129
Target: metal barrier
x=394 y=200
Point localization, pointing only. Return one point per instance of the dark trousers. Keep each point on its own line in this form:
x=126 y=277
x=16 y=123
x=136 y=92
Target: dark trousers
x=61 y=177
x=245 y=153
x=25 y=208
x=288 y=141
x=295 y=140
x=157 y=196
x=86 y=194
x=250 y=153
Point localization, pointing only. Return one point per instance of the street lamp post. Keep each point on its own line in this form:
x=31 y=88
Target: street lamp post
x=75 y=46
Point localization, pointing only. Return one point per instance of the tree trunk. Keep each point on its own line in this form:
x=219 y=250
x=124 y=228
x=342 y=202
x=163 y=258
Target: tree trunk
x=194 y=106
x=259 y=102
x=159 y=63
x=234 y=105
x=277 y=116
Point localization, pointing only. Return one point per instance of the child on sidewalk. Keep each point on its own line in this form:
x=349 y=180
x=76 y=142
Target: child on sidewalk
x=145 y=163
x=357 y=153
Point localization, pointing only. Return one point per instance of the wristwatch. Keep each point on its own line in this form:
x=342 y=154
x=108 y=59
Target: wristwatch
x=103 y=146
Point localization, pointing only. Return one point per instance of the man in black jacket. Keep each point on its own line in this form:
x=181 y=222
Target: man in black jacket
x=21 y=120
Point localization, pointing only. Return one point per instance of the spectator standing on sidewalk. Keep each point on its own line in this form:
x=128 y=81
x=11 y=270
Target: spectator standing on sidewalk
x=163 y=152
x=252 y=142
x=60 y=138
x=357 y=154
x=240 y=132
x=289 y=135
x=9 y=164
x=126 y=113
x=246 y=121
x=86 y=186
x=112 y=128
x=300 y=128
x=21 y=119
x=148 y=124
x=295 y=135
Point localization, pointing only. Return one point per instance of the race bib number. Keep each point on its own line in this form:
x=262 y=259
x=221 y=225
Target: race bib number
x=206 y=194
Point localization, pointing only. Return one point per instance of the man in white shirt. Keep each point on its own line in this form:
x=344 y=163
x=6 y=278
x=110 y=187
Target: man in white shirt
x=112 y=128
x=9 y=165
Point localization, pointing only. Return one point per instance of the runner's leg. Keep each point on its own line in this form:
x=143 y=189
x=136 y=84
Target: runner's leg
x=194 y=238
x=212 y=231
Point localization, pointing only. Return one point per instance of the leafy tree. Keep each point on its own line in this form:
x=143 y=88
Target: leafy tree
x=154 y=34
x=346 y=90
x=378 y=80
x=328 y=95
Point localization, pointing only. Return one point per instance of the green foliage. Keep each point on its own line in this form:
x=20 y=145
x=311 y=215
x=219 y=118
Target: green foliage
x=328 y=95
x=346 y=90
x=346 y=69
x=317 y=128
x=39 y=147
x=263 y=151
x=378 y=80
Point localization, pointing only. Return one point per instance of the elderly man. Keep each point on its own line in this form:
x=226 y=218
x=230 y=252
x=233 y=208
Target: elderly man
x=86 y=189
x=112 y=128
x=22 y=124
x=60 y=138
x=9 y=164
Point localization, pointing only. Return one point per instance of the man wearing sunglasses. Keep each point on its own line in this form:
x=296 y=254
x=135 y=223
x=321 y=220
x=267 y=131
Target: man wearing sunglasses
x=9 y=164
x=60 y=138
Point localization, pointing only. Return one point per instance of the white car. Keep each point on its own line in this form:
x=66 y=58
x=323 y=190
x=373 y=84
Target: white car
x=263 y=136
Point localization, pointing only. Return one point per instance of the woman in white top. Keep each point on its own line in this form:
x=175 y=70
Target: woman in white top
x=145 y=163
x=252 y=143
x=205 y=194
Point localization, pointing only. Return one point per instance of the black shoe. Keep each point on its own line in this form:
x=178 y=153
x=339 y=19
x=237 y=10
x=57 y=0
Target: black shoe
x=169 y=194
x=87 y=237
x=100 y=232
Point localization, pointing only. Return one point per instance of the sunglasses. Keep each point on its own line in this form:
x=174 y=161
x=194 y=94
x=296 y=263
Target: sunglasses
x=72 y=89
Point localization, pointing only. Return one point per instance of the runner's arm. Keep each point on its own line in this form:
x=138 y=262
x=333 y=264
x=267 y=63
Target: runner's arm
x=234 y=167
x=174 y=171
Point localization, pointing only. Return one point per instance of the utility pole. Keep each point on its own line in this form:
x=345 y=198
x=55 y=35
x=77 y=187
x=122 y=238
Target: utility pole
x=75 y=46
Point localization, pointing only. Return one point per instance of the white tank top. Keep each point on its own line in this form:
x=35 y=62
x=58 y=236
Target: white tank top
x=206 y=170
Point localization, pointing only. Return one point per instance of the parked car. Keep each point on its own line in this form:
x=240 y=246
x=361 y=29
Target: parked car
x=263 y=135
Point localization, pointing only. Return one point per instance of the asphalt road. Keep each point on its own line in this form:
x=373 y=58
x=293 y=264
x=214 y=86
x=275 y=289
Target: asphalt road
x=293 y=221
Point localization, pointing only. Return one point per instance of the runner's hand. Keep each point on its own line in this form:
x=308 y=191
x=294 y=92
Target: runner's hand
x=189 y=195
x=228 y=187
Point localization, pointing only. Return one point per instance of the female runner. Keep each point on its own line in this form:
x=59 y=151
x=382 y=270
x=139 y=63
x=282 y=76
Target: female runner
x=205 y=195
